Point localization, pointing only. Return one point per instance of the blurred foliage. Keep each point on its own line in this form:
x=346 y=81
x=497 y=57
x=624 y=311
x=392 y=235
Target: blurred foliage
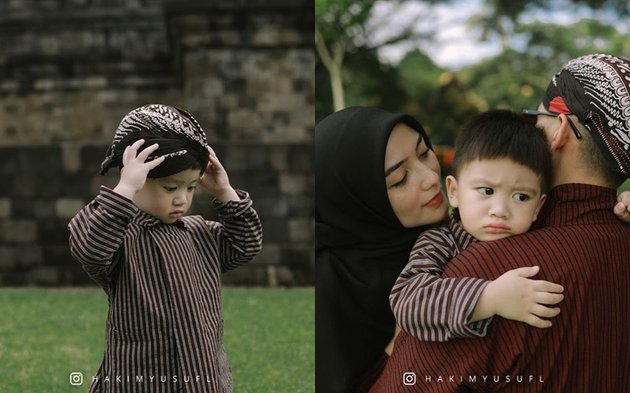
x=443 y=100
x=498 y=17
x=341 y=27
x=516 y=80
x=345 y=21
x=365 y=89
x=436 y=97
x=514 y=8
x=339 y=24
x=342 y=20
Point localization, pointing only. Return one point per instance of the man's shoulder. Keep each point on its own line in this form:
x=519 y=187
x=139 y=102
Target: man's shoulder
x=542 y=238
x=538 y=247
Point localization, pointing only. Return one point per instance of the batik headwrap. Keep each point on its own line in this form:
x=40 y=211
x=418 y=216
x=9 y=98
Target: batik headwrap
x=596 y=88
x=181 y=139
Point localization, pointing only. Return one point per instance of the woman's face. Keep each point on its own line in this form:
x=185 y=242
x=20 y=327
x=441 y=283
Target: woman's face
x=412 y=177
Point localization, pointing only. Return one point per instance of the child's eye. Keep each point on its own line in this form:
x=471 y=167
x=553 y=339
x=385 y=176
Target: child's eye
x=485 y=190
x=519 y=196
x=170 y=189
x=192 y=188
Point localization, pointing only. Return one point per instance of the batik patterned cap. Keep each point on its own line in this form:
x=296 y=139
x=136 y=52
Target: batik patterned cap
x=175 y=130
x=596 y=88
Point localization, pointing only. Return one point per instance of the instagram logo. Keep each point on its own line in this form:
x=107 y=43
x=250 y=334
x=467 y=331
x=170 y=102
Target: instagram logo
x=76 y=379
x=409 y=378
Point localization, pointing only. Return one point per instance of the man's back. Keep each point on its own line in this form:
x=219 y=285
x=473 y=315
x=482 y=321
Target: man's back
x=582 y=247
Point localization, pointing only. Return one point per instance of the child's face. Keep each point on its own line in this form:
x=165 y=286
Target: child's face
x=496 y=198
x=168 y=198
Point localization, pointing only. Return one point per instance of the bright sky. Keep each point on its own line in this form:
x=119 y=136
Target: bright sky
x=457 y=45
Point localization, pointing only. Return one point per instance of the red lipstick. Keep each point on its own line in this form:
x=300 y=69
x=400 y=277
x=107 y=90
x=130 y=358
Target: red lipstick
x=435 y=201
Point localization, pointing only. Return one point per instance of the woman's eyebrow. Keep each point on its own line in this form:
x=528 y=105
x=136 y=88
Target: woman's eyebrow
x=392 y=168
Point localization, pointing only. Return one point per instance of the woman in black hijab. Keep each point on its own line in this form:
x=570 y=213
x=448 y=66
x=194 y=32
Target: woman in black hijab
x=361 y=245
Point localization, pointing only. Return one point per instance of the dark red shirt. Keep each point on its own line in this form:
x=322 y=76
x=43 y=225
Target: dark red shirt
x=581 y=246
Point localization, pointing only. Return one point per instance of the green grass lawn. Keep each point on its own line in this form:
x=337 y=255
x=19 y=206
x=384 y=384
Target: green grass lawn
x=45 y=334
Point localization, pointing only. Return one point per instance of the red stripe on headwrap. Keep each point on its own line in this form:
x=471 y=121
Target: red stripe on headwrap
x=557 y=105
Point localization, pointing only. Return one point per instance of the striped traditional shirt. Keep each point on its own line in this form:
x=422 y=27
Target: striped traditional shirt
x=428 y=306
x=583 y=247
x=164 y=329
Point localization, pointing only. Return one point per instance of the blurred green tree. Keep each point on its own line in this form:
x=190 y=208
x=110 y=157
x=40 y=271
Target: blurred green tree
x=338 y=24
x=341 y=27
x=500 y=17
x=348 y=66
x=437 y=97
x=516 y=79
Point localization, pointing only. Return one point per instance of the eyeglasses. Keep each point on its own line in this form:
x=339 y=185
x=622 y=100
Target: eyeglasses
x=530 y=112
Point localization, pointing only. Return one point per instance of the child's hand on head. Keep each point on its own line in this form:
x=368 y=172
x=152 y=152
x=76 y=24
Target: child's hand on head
x=519 y=298
x=216 y=181
x=134 y=172
x=622 y=208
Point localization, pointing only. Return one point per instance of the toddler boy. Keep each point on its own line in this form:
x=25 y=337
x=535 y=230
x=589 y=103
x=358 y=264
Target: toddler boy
x=502 y=170
x=161 y=270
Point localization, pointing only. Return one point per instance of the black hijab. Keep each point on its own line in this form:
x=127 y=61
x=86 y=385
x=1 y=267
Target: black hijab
x=361 y=247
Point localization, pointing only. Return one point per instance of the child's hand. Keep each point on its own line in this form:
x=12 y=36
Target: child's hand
x=622 y=208
x=215 y=180
x=135 y=170
x=519 y=298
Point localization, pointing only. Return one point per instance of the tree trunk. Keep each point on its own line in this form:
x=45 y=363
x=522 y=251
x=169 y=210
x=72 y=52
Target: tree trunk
x=333 y=65
x=336 y=85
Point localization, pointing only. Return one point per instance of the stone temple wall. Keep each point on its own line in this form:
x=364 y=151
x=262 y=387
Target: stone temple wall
x=71 y=69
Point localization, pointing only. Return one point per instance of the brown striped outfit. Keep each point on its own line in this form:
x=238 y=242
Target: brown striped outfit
x=581 y=246
x=164 y=329
x=428 y=306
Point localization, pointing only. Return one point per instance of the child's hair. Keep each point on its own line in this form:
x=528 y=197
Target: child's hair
x=504 y=134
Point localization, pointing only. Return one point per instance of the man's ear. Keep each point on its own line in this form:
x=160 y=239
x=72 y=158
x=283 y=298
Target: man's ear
x=451 y=190
x=562 y=133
